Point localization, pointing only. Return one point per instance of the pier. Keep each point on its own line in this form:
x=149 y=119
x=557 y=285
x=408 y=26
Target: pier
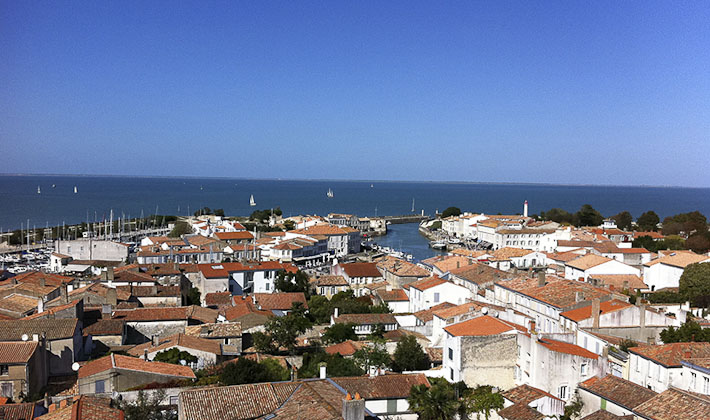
x=412 y=218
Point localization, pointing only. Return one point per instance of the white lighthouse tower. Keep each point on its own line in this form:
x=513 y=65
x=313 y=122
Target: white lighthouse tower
x=525 y=209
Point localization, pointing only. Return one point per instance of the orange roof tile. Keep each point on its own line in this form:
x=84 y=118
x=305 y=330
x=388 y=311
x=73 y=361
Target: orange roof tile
x=670 y=355
x=479 y=326
x=585 y=312
x=567 y=348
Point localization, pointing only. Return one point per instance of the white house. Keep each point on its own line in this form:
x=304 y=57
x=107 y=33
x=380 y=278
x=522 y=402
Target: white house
x=612 y=394
x=238 y=278
x=590 y=264
x=665 y=271
x=431 y=291
x=659 y=367
x=696 y=375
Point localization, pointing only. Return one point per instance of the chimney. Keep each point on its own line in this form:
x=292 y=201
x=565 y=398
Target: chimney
x=625 y=285
x=155 y=340
x=323 y=370
x=204 y=330
x=111 y=297
x=106 y=311
x=43 y=282
x=595 y=312
x=154 y=290
x=353 y=408
x=541 y=279
x=687 y=355
x=458 y=264
x=642 y=315
x=336 y=312
x=145 y=354
x=64 y=293
x=109 y=273
x=579 y=296
x=40 y=306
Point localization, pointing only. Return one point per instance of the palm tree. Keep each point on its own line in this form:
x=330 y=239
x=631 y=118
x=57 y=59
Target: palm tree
x=437 y=402
x=483 y=400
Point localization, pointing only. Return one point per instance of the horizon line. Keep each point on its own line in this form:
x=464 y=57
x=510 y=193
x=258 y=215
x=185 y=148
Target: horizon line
x=19 y=174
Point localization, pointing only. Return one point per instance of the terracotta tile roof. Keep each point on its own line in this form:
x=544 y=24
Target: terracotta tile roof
x=376 y=285
x=86 y=407
x=234 y=236
x=346 y=348
x=585 y=312
x=218 y=330
x=164 y=269
x=457 y=310
x=54 y=328
x=588 y=261
x=18 y=304
x=151 y=291
x=619 y=391
x=428 y=283
x=525 y=394
x=401 y=267
x=218 y=299
x=117 y=361
x=205 y=315
x=479 y=326
x=634 y=251
x=24 y=411
x=567 y=348
x=313 y=400
x=507 y=253
x=38 y=276
x=281 y=301
x=436 y=354
x=674 y=404
x=427 y=315
x=17 y=351
x=469 y=252
x=679 y=259
x=560 y=293
x=222 y=270
x=247 y=313
x=52 y=311
x=617 y=281
x=361 y=269
x=520 y=412
x=324 y=229
x=381 y=387
x=329 y=281
x=654 y=235
x=238 y=402
x=703 y=362
x=395 y=295
x=480 y=274
x=670 y=355
x=366 y=319
x=98 y=289
x=605 y=415
x=105 y=327
x=178 y=340
x=564 y=256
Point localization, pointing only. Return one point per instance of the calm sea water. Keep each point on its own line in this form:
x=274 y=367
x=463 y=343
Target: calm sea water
x=406 y=238
x=96 y=197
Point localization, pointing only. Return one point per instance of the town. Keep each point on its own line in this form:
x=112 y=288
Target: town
x=551 y=315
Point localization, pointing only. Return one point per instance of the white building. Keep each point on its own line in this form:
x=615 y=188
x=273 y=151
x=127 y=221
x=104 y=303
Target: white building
x=238 y=278
x=665 y=271
x=659 y=367
x=91 y=249
x=431 y=291
x=591 y=264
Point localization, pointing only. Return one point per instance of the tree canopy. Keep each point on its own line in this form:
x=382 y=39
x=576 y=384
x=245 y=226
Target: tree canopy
x=336 y=365
x=623 y=220
x=557 y=215
x=588 y=216
x=374 y=355
x=409 y=355
x=685 y=222
x=648 y=221
x=337 y=333
x=450 y=211
x=283 y=330
x=320 y=308
x=293 y=282
x=690 y=331
x=263 y=215
x=174 y=356
x=694 y=283
x=147 y=407
x=247 y=371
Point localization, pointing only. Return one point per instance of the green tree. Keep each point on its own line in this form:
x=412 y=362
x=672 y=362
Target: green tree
x=699 y=242
x=685 y=222
x=174 y=356
x=648 y=221
x=337 y=365
x=147 y=407
x=337 y=333
x=15 y=238
x=243 y=371
x=219 y=212
x=204 y=210
x=181 y=228
x=623 y=220
x=319 y=309
x=289 y=224
x=285 y=329
x=374 y=355
x=573 y=409
x=557 y=215
x=409 y=355
x=437 y=402
x=263 y=342
x=688 y=332
x=274 y=370
x=194 y=297
x=694 y=283
x=588 y=216
x=483 y=400
x=626 y=344
x=450 y=211
x=293 y=282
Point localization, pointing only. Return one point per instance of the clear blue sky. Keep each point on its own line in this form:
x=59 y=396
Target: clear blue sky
x=564 y=92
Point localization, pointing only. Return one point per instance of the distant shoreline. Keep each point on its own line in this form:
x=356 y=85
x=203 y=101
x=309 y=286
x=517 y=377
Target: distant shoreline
x=550 y=184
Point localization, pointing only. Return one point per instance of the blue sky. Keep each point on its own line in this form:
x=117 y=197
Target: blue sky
x=563 y=92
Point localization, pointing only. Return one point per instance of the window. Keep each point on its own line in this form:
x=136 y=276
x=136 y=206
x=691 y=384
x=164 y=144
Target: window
x=391 y=406
x=436 y=297
x=693 y=377
x=99 y=387
x=174 y=400
x=451 y=373
x=266 y=286
x=706 y=385
x=6 y=389
x=584 y=368
x=4 y=369
x=451 y=354
x=562 y=392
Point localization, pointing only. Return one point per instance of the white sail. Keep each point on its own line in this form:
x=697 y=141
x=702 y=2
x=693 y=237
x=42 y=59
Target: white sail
x=38 y=190
x=251 y=201
x=75 y=191
x=329 y=193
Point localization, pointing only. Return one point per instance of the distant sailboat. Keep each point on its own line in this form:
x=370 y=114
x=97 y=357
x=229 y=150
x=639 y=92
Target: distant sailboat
x=251 y=201
x=372 y=186
x=329 y=193
x=54 y=185
x=412 y=205
x=75 y=191
x=38 y=190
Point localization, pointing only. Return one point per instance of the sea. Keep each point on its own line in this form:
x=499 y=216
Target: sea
x=97 y=196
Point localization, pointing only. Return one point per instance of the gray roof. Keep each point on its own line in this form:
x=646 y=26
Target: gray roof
x=54 y=328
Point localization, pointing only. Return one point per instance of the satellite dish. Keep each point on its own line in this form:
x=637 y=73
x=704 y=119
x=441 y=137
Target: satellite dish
x=183 y=362
x=484 y=311
x=75 y=367
x=25 y=337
